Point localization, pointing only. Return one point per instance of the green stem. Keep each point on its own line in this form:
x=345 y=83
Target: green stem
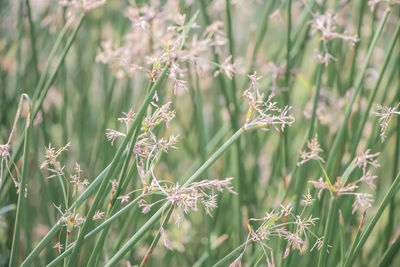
x=342 y=238
x=149 y=223
x=156 y=238
x=135 y=126
x=238 y=201
x=99 y=228
x=357 y=238
x=20 y=31
x=390 y=253
x=363 y=4
x=22 y=187
x=201 y=128
x=392 y=207
x=43 y=89
x=85 y=195
x=230 y=255
x=389 y=195
x=63 y=189
x=33 y=39
x=375 y=90
x=333 y=154
x=123 y=182
x=327 y=233
x=302 y=177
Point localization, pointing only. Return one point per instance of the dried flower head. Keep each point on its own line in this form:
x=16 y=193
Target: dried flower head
x=112 y=135
x=128 y=118
x=227 y=67
x=161 y=114
x=51 y=156
x=339 y=188
x=176 y=74
x=307 y=199
x=326 y=25
x=384 y=114
x=4 y=155
x=124 y=198
x=362 y=200
x=76 y=179
x=69 y=220
x=59 y=247
x=324 y=58
x=98 y=215
x=366 y=159
x=263 y=113
x=313 y=154
x=189 y=198
x=275 y=224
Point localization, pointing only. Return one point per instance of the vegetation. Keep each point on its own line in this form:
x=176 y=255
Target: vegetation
x=199 y=133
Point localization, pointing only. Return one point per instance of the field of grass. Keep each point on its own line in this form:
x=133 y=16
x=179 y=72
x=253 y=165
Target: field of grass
x=200 y=133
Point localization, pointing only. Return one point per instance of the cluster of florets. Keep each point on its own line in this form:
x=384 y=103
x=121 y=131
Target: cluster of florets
x=313 y=153
x=326 y=25
x=69 y=220
x=52 y=164
x=147 y=143
x=5 y=149
x=147 y=147
x=363 y=161
x=77 y=180
x=276 y=224
x=162 y=35
x=189 y=198
x=385 y=113
x=4 y=155
x=263 y=113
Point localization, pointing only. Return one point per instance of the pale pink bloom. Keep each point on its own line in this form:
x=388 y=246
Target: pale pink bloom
x=124 y=198
x=98 y=215
x=59 y=247
x=112 y=135
x=384 y=114
x=313 y=154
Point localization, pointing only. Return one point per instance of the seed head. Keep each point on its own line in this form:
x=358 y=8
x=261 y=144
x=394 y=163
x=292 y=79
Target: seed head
x=384 y=113
x=313 y=154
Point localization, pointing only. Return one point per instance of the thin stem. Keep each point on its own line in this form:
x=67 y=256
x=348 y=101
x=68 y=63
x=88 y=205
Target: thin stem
x=22 y=190
x=60 y=180
x=41 y=88
x=33 y=39
x=100 y=227
x=234 y=121
x=375 y=90
x=135 y=126
x=327 y=233
x=230 y=255
x=85 y=195
x=392 y=207
x=156 y=238
x=390 y=253
x=123 y=182
x=389 y=195
x=149 y=223
x=333 y=154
